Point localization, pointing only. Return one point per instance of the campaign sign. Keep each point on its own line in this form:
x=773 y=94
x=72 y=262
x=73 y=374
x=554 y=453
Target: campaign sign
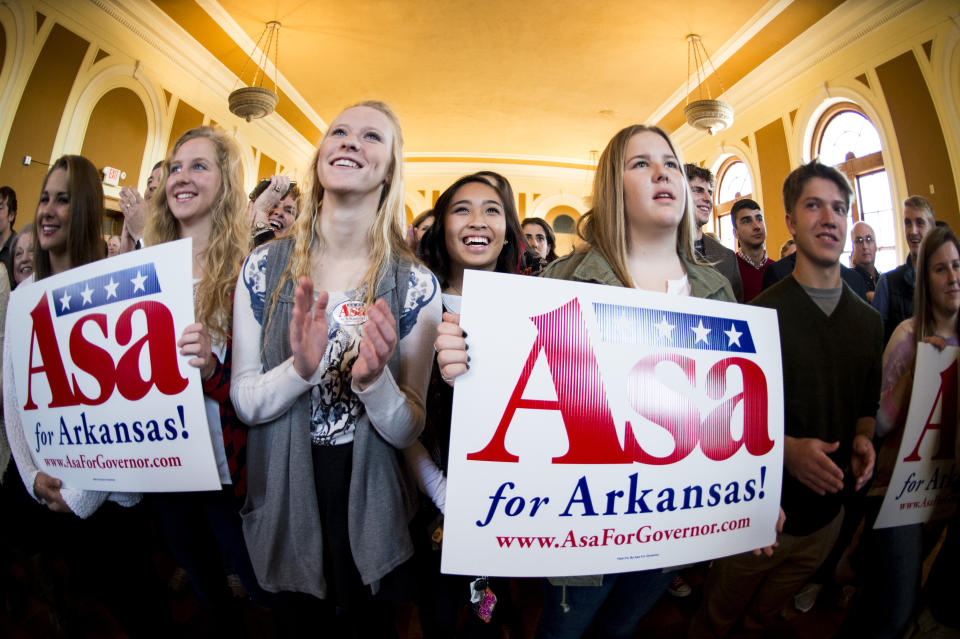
x=924 y=485
x=602 y=429
x=105 y=399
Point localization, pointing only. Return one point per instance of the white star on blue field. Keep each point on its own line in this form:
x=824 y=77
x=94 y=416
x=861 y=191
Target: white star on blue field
x=653 y=327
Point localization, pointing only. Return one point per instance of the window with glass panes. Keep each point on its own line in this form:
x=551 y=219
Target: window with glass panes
x=733 y=183
x=847 y=139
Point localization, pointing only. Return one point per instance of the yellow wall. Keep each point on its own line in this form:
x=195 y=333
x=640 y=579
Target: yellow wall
x=37 y=118
x=117 y=133
x=186 y=118
x=926 y=163
x=774 y=157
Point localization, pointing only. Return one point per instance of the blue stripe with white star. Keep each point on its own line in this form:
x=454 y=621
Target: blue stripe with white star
x=653 y=327
x=119 y=286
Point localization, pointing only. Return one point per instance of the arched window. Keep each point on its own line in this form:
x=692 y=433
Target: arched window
x=733 y=183
x=847 y=139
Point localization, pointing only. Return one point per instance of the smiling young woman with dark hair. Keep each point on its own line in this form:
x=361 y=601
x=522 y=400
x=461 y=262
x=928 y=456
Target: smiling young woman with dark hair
x=476 y=227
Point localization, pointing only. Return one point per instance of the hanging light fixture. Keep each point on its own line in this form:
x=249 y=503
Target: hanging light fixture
x=705 y=114
x=256 y=101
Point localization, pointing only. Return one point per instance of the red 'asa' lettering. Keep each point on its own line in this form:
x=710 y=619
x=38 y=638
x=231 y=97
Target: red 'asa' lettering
x=948 y=416
x=160 y=341
x=583 y=405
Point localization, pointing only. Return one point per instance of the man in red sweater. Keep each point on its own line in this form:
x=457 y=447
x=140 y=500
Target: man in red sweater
x=751 y=232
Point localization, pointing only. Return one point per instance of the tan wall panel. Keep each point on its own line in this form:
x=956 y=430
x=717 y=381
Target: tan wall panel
x=117 y=133
x=268 y=166
x=774 y=161
x=186 y=118
x=38 y=116
x=3 y=44
x=922 y=147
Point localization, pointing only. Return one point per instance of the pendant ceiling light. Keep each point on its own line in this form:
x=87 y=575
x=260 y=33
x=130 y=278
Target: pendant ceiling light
x=705 y=114
x=256 y=101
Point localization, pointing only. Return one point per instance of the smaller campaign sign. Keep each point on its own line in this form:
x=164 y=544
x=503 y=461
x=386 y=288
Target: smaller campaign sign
x=602 y=430
x=925 y=481
x=105 y=400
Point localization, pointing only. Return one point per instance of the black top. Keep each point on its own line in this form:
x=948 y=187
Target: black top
x=780 y=269
x=831 y=378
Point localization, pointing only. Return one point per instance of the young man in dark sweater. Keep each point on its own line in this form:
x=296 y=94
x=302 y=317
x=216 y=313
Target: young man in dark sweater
x=831 y=344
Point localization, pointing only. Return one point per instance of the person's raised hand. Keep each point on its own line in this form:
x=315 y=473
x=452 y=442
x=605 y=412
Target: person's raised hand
x=308 y=328
x=377 y=345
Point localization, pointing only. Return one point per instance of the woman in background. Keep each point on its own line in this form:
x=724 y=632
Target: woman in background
x=23 y=254
x=893 y=557
x=539 y=236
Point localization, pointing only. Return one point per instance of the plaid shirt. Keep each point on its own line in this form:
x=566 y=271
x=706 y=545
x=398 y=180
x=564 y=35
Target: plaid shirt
x=217 y=388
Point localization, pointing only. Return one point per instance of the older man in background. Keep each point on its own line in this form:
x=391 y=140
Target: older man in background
x=864 y=242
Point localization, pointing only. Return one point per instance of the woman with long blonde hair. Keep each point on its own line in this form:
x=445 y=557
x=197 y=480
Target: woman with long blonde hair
x=333 y=385
x=201 y=197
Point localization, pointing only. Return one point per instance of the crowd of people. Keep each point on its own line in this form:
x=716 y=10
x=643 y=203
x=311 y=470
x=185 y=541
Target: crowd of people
x=331 y=440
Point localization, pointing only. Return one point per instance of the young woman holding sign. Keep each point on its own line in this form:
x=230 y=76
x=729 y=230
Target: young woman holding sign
x=115 y=567
x=476 y=227
x=638 y=234
x=66 y=232
x=893 y=557
x=333 y=385
x=200 y=196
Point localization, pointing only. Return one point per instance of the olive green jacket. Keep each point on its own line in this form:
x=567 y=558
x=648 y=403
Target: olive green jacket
x=590 y=266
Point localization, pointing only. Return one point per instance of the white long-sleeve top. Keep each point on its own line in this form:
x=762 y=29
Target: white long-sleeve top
x=394 y=407
x=82 y=502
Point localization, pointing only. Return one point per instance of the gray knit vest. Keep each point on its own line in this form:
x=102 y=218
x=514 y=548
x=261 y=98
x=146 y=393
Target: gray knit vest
x=281 y=519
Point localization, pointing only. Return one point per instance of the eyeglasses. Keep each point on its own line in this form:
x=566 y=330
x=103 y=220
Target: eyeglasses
x=866 y=239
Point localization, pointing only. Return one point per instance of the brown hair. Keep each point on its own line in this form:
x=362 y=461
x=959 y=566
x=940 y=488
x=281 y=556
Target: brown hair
x=923 y=320
x=604 y=226
x=229 y=240
x=793 y=185
x=84 y=242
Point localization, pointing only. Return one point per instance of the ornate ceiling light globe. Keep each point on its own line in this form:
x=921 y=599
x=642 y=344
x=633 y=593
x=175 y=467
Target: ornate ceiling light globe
x=251 y=103
x=256 y=101
x=709 y=115
x=704 y=113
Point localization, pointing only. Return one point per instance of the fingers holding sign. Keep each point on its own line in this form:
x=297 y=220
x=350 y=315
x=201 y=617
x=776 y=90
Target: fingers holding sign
x=451 y=347
x=47 y=488
x=308 y=328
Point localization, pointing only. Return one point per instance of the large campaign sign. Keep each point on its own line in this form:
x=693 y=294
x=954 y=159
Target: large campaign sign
x=602 y=429
x=925 y=482
x=105 y=400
